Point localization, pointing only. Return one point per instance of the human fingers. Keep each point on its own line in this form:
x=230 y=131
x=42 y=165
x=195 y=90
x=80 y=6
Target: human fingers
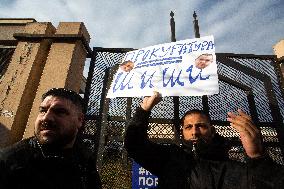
x=157 y=97
x=157 y=94
x=150 y=101
x=240 y=124
x=231 y=115
x=251 y=139
x=242 y=129
x=237 y=119
x=243 y=118
x=144 y=103
x=241 y=115
x=246 y=117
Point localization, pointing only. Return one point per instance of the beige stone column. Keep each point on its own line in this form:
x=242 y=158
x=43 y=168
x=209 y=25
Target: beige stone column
x=279 y=49
x=279 y=52
x=64 y=65
x=18 y=85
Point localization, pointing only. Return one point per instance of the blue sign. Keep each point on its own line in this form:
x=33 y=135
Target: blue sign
x=142 y=179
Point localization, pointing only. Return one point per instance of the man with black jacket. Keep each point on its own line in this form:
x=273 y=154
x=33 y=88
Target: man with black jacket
x=194 y=164
x=54 y=157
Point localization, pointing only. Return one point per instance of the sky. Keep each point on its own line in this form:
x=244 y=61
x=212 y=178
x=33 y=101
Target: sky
x=238 y=26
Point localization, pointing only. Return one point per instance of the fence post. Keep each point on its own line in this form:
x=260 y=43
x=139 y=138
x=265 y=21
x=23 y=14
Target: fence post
x=18 y=85
x=64 y=65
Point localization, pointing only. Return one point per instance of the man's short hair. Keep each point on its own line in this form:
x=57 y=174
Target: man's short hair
x=68 y=94
x=195 y=111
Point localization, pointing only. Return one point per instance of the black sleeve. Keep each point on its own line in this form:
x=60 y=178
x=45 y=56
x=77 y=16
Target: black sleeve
x=148 y=154
x=93 y=176
x=4 y=175
x=265 y=173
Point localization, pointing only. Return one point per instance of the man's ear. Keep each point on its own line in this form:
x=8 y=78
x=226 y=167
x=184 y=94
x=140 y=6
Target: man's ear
x=213 y=130
x=81 y=118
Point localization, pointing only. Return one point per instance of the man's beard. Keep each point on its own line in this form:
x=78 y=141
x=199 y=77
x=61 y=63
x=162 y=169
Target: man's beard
x=54 y=139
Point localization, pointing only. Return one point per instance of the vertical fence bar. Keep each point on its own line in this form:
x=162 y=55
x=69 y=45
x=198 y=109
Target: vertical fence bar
x=89 y=80
x=205 y=104
x=102 y=123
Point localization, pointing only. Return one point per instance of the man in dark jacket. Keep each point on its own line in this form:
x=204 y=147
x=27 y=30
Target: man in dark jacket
x=188 y=167
x=54 y=157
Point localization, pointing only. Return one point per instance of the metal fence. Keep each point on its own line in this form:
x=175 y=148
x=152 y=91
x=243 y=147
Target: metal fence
x=250 y=82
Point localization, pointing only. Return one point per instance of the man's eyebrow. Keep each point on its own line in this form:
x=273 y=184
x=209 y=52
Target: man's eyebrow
x=54 y=106
x=59 y=107
x=197 y=123
x=203 y=123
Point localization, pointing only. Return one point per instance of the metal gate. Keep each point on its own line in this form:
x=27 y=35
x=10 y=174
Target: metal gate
x=250 y=82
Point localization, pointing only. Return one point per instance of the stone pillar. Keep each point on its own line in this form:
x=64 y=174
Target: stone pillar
x=279 y=49
x=279 y=52
x=18 y=85
x=64 y=66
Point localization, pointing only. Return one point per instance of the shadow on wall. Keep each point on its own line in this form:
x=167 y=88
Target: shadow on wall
x=4 y=133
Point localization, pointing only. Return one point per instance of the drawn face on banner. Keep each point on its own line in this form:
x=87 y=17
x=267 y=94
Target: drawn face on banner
x=127 y=66
x=203 y=61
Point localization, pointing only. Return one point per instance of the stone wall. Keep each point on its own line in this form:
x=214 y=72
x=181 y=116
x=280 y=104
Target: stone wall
x=45 y=57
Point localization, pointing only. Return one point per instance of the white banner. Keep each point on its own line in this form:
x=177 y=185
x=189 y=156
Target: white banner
x=182 y=68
